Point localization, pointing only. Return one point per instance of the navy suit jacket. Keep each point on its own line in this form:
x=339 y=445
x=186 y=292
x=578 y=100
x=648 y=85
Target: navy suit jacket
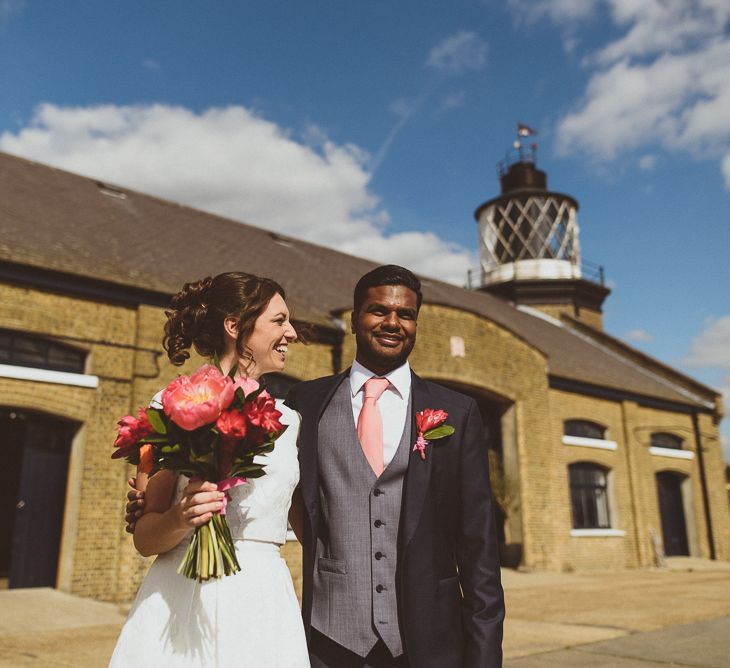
x=450 y=599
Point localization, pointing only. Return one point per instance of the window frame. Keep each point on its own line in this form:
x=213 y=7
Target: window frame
x=587 y=441
x=588 y=495
x=44 y=349
x=668 y=450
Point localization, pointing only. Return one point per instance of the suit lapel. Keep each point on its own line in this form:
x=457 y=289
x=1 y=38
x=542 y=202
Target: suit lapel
x=312 y=410
x=418 y=473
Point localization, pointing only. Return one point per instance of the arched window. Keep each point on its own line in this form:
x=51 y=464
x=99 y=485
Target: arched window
x=662 y=439
x=584 y=429
x=589 y=496
x=21 y=349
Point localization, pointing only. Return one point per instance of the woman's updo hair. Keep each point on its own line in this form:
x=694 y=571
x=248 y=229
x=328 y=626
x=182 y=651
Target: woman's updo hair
x=197 y=312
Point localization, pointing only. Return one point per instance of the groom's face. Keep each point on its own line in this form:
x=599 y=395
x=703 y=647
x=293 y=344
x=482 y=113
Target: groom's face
x=385 y=327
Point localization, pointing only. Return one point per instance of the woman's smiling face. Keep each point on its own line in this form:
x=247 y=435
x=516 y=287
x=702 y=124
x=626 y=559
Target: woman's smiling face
x=270 y=339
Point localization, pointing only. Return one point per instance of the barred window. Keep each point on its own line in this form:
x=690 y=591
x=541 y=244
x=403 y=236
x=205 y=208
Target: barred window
x=663 y=440
x=584 y=429
x=589 y=496
x=21 y=349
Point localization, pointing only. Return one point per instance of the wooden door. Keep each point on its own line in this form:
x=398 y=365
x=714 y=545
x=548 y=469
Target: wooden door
x=33 y=519
x=671 y=509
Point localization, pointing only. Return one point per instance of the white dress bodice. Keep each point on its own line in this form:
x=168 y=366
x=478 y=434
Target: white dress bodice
x=258 y=509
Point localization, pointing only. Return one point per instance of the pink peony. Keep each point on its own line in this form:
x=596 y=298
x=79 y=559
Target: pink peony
x=199 y=399
x=248 y=385
x=430 y=418
x=232 y=424
x=262 y=413
x=131 y=431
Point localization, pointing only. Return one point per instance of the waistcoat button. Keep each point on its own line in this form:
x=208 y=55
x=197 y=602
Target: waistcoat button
x=379 y=555
x=378 y=523
x=379 y=589
x=377 y=491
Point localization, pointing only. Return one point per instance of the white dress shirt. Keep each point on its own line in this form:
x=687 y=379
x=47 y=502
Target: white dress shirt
x=393 y=403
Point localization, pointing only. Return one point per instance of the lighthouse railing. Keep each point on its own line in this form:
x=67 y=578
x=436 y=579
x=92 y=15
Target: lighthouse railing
x=589 y=271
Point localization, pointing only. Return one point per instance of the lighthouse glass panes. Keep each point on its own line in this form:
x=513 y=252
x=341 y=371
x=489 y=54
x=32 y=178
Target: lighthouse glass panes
x=536 y=231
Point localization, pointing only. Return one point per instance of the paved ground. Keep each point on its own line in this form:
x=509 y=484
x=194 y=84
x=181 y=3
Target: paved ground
x=699 y=645
x=631 y=619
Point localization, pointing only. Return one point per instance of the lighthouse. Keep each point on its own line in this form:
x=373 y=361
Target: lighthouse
x=529 y=243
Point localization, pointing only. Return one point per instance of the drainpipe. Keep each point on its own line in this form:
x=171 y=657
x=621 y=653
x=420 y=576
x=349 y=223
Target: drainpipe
x=703 y=484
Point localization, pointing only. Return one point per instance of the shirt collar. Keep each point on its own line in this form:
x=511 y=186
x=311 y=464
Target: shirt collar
x=399 y=378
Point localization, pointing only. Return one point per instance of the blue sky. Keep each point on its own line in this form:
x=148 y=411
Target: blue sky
x=376 y=127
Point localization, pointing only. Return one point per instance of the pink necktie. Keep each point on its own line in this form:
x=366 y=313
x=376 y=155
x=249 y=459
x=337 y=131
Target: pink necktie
x=370 y=423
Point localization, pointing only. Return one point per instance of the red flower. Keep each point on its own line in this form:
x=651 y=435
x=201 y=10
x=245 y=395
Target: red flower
x=430 y=418
x=131 y=431
x=232 y=424
x=262 y=413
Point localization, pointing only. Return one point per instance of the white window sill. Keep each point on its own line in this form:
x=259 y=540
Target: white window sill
x=586 y=533
x=671 y=452
x=590 y=442
x=47 y=376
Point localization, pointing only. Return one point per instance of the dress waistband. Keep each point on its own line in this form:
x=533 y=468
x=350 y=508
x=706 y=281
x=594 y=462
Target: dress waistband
x=250 y=545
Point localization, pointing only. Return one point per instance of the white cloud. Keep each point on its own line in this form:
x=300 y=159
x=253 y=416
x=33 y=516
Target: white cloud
x=726 y=170
x=711 y=347
x=233 y=162
x=665 y=79
x=639 y=335
x=451 y=57
x=458 y=53
x=647 y=162
x=422 y=251
x=658 y=26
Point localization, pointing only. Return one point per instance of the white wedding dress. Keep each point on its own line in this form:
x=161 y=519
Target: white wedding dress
x=247 y=620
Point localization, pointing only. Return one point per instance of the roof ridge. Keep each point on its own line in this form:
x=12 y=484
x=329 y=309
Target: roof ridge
x=650 y=374
x=600 y=334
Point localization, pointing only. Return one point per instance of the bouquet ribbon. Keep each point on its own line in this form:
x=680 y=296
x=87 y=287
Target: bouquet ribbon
x=225 y=485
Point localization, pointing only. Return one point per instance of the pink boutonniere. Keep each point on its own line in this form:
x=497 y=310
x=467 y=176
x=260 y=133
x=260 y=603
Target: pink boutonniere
x=430 y=426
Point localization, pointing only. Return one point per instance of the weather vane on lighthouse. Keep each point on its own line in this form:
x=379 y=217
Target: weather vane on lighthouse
x=523 y=130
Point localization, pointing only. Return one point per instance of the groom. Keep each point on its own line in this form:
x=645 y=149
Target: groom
x=400 y=549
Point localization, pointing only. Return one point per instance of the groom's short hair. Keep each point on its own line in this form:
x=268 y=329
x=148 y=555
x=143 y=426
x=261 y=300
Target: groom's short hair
x=387 y=274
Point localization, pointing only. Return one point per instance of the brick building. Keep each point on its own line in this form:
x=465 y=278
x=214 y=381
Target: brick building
x=600 y=453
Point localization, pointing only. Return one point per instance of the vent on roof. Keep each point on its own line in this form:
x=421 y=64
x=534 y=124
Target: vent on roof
x=282 y=241
x=110 y=191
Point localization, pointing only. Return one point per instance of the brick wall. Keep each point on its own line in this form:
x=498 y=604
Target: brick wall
x=124 y=344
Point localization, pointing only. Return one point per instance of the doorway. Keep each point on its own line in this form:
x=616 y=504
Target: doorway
x=500 y=446
x=671 y=511
x=35 y=448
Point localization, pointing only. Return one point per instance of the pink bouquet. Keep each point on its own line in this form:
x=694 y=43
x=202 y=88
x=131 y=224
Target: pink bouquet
x=210 y=428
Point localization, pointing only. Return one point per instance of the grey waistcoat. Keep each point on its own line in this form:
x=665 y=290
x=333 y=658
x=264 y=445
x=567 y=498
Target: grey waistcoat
x=354 y=577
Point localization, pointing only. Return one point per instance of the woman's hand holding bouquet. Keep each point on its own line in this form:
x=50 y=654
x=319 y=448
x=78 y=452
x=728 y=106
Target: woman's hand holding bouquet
x=210 y=428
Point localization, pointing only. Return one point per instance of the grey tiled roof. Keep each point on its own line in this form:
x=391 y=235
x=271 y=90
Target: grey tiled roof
x=55 y=220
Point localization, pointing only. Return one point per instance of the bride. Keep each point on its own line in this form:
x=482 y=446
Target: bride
x=251 y=618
